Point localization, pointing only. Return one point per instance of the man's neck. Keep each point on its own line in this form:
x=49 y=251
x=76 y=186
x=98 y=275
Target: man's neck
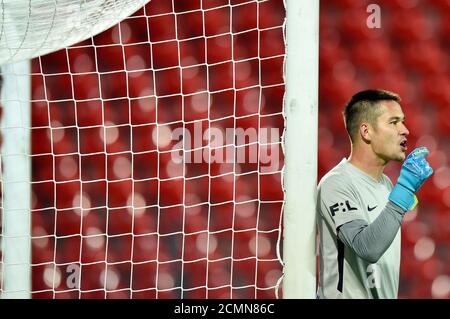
x=367 y=162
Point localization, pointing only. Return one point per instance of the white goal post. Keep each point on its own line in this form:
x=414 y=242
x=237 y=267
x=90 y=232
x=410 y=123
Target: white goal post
x=158 y=149
x=16 y=178
x=300 y=178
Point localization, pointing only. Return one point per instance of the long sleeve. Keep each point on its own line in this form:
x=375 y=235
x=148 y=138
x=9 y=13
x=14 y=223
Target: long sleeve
x=370 y=241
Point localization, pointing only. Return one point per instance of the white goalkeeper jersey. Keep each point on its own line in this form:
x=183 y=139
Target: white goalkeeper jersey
x=344 y=194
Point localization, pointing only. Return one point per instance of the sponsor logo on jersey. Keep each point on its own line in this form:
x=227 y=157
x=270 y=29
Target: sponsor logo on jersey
x=341 y=207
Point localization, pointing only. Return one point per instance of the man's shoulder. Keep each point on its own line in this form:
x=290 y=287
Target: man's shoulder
x=338 y=175
x=387 y=181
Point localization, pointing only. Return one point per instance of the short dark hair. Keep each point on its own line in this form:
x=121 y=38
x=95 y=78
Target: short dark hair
x=363 y=106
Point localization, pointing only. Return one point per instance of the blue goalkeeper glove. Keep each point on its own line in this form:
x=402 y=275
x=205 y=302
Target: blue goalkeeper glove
x=415 y=170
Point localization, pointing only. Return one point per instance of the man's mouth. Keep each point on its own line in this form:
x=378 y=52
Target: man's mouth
x=403 y=145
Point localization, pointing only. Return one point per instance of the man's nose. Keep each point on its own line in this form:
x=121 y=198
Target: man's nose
x=404 y=130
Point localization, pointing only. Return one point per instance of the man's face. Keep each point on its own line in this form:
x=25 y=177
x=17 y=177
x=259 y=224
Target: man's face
x=389 y=137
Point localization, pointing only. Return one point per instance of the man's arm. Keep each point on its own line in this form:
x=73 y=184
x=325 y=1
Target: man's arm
x=371 y=241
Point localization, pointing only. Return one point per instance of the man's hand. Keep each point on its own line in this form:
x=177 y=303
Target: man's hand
x=415 y=170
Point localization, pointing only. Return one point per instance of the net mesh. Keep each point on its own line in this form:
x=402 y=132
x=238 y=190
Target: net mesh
x=32 y=28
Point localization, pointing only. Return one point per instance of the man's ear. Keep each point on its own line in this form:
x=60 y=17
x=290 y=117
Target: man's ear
x=365 y=132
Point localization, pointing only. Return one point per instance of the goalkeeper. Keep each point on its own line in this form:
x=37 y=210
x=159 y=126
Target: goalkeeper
x=359 y=210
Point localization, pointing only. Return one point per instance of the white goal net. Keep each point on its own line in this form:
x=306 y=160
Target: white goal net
x=155 y=146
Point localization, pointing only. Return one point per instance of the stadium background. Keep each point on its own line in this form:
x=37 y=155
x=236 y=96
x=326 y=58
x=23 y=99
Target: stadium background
x=409 y=54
